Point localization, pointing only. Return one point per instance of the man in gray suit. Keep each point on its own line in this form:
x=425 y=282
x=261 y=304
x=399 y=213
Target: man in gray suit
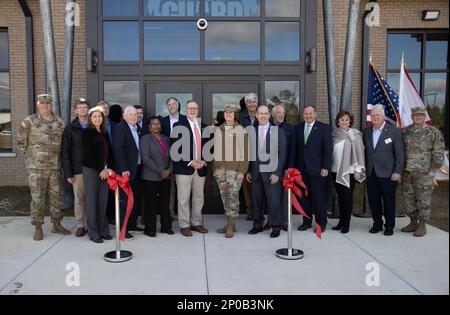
x=385 y=157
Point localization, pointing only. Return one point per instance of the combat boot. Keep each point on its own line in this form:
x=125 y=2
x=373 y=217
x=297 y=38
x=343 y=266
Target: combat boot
x=223 y=229
x=411 y=227
x=59 y=229
x=231 y=227
x=421 y=229
x=38 y=235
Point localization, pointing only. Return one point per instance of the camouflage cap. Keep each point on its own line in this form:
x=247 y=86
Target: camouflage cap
x=44 y=98
x=230 y=107
x=418 y=110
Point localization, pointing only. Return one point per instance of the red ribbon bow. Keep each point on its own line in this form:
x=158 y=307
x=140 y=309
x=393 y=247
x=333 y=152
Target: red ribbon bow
x=114 y=182
x=289 y=182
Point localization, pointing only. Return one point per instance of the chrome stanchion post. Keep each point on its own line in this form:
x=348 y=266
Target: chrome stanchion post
x=118 y=255
x=289 y=253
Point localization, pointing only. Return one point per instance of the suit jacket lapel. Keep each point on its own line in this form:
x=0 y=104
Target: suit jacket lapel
x=383 y=136
x=311 y=132
x=130 y=134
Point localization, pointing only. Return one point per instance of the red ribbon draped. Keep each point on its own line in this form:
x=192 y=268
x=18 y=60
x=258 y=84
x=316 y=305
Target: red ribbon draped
x=289 y=182
x=114 y=182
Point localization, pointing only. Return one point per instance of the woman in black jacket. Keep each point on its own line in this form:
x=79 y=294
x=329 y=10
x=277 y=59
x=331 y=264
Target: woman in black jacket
x=97 y=159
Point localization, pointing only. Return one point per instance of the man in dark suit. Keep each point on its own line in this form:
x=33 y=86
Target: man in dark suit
x=142 y=128
x=314 y=157
x=190 y=173
x=385 y=159
x=173 y=106
x=266 y=172
x=127 y=157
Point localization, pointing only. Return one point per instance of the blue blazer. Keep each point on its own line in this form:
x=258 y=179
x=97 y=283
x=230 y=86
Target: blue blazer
x=165 y=128
x=255 y=166
x=316 y=154
x=125 y=150
x=181 y=167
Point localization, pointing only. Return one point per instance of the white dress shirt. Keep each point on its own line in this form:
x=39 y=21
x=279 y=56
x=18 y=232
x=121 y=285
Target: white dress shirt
x=376 y=134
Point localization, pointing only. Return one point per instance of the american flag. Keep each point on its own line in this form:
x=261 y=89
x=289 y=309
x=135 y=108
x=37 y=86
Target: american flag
x=380 y=92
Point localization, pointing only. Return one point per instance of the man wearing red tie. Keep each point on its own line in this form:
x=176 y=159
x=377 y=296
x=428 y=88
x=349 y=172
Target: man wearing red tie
x=190 y=175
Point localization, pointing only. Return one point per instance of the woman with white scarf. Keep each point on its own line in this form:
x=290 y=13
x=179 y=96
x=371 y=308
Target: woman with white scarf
x=348 y=166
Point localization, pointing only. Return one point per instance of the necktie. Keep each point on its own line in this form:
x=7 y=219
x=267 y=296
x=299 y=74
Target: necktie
x=307 y=132
x=262 y=136
x=198 y=142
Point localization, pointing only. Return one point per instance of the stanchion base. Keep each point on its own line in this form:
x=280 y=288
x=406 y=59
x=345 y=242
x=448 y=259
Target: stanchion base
x=124 y=256
x=283 y=254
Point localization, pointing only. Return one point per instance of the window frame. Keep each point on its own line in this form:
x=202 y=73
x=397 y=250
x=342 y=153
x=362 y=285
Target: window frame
x=8 y=71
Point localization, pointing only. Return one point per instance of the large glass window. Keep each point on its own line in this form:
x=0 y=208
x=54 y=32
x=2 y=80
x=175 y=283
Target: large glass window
x=172 y=7
x=283 y=8
x=120 y=7
x=236 y=8
x=161 y=98
x=286 y=93
x=171 y=41
x=425 y=55
x=283 y=41
x=219 y=100
x=5 y=101
x=232 y=41
x=120 y=41
x=123 y=93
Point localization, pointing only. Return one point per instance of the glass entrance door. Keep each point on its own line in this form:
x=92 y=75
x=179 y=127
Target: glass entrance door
x=212 y=98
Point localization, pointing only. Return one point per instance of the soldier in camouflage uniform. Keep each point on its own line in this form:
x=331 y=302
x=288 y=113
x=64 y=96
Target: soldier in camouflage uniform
x=230 y=164
x=424 y=155
x=40 y=137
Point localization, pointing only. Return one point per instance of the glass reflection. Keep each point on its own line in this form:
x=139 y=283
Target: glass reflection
x=171 y=41
x=286 y=93
x=120 y=41
x=4 y=62
x=436 y=51
x=232 y=41
x=434 y=97
x=234 y=8
x=120 y=7
x=283 y=41
x=219 y=100
x=172 y=7
x=410 y=45
x=393 y=79
x=123 y=93
x=283 y=8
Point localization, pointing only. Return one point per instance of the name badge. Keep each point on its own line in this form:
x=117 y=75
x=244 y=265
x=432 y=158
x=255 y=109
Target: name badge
x=388 y=140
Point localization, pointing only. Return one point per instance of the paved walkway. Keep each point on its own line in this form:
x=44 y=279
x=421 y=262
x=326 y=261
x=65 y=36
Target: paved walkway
x=211 y=264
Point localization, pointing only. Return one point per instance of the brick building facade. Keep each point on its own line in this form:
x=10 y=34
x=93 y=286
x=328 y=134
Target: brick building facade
x=395 y=15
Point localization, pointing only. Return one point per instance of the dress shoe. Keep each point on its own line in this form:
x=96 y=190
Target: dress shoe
x=268 y=226
x=304 y=227
x=248 y=218
x=345 y=230
x=255 y=231
x=186 y=232
x=388 y=232
x=285 y=227
x=337 y=227
x=129 y=236
x=136 y=230
x=97 y=240
x=375 y=229
x=80 y=232
x=107 y=237
x=150 y=234
x=199 y=229
x=275 y=233
x=169 y=232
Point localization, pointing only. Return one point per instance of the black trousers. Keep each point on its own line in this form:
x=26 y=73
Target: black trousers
x=381 y=194
x=315 y=202
x=345 y=200
x=132 y=221
x=157 y=196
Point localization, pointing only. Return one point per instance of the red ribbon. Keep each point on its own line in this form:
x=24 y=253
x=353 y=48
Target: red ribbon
x=289 y=182
x=114 y=182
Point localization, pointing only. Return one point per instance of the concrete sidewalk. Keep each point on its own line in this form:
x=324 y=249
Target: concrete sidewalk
x=211 y=264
